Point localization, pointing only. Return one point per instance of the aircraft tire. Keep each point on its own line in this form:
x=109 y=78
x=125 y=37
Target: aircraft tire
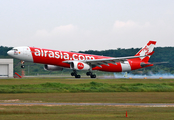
x=22 y=66
x=88 y=73
x=77 y=76
x=72 y=74
x=93 y=76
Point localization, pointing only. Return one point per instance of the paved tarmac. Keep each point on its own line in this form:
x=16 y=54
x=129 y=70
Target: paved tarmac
x=92 y=104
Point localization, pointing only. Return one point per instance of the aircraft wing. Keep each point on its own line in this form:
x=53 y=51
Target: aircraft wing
x=99 y=62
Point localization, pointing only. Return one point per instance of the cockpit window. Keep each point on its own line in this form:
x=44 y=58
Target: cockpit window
x=15 y=51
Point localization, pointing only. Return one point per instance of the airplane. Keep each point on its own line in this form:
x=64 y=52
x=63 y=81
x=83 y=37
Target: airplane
x=57 y=60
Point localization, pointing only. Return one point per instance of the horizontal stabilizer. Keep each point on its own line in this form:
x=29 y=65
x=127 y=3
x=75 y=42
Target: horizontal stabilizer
x=155 y=63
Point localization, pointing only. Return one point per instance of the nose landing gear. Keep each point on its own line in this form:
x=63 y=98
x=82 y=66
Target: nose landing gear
x=22 y=64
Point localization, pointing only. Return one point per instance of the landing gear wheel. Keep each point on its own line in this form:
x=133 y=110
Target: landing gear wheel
x=88 y=73
x=72 y=74
x=22 y=66
x=93 y=76
x=77 y=76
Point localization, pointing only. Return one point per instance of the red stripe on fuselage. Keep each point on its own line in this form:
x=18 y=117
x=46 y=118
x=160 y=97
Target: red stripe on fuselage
x=135 y=64
x=55 y=57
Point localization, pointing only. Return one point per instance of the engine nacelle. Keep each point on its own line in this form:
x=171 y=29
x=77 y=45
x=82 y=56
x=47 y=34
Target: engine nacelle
x=53 y=68
x=79 y=66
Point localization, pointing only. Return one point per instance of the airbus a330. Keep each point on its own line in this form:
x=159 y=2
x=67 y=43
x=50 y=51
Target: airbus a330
x=57 y=60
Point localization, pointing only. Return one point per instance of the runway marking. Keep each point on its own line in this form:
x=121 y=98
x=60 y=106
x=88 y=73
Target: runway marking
x=91 y=104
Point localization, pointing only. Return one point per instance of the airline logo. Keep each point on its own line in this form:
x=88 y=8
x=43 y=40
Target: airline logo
x=80 y=66
x=61 y=55
x=145 y=50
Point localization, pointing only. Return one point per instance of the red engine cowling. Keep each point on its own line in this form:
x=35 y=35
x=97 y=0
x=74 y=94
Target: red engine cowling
x=79 y=66
x=53 y=68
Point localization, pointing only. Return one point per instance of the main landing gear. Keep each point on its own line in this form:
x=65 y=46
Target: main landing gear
x=74 y=73
x=91 y=74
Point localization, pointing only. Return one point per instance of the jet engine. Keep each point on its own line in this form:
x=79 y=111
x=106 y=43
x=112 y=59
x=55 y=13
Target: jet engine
x=53 y=68
x=79 y=66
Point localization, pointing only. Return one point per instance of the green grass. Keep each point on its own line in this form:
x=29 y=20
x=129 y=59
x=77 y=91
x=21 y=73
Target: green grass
x=85 y=113
x=72 y=80
x=108 y=97
x=86 y=87
x=70 y=90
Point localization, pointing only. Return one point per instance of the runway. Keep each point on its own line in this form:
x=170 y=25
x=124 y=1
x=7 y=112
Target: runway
x=91 y=104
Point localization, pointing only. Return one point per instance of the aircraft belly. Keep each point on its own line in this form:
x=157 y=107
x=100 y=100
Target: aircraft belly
x=110 y=68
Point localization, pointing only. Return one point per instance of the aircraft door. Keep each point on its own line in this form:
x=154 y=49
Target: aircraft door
x=25 y=51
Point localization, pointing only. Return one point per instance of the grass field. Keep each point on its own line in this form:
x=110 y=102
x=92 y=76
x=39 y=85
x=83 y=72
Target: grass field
x=86 y=112
x=110 y=97
x=71 y=80
x=60 y=85
x=106 y=97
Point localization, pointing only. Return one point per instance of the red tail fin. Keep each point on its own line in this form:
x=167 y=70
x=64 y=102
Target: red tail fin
x=146 y=59
x=146 y=50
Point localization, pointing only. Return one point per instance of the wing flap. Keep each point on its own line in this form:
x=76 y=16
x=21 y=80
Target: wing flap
x=106 y=61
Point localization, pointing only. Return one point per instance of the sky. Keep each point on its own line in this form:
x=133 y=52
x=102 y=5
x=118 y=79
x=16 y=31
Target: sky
x=79 y=25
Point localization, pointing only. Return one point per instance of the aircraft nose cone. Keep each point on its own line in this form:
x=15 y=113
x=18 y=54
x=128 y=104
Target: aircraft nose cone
x=10 y=52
